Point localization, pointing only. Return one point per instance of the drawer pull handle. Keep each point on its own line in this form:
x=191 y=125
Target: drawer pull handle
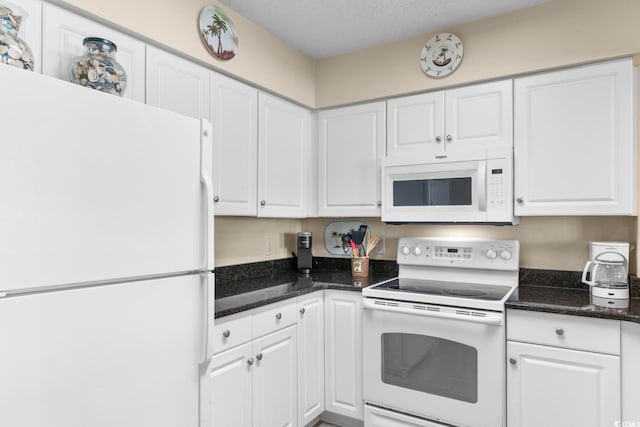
x=250 y=361
x=302 y=310
x=513 y=361
x=259 y=356
x=559 y=331
x=226 y=334
x=279 y=316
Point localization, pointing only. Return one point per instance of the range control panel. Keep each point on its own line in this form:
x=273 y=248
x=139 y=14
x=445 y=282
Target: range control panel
x=459 y=252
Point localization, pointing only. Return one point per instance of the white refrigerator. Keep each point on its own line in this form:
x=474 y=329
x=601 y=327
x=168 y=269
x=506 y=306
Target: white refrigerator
x=106 y=258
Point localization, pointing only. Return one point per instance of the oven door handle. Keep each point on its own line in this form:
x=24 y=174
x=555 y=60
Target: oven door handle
x=465 y=315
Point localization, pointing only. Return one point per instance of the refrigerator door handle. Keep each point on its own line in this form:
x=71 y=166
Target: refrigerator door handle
x=206 y=161
x=208 y=285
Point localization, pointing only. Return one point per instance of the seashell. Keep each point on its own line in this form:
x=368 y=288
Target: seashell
x=92 y=75
x=100 y=70
x=14 y=53
x=26 y=56
x=5 y=11
x=114 y=78
x=3 y=49
x=16 y=63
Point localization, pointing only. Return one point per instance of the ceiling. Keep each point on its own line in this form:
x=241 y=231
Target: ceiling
x=324 y=28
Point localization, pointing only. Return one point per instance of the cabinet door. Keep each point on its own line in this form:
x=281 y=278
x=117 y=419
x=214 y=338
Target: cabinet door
x=575 y=141
x=275 y=400
x=343 y=353
x=351 y=146
x=227 y=389
x=31 y=30
x=284 y=158
x=479 y=116
x=175 y=84
x=62 y=35
x=630 y=355
x=310 y=357
x=234 y=117
x=555 y=387
x=415 y=124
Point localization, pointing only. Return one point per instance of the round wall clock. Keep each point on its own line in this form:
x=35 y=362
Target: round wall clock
x=441 y=55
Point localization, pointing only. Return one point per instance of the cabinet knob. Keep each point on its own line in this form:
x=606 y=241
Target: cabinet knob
x=449 y=138
x=226 y=334
x=513 y=361
x=438 y=139
x=520 y=200
x=279 y=316
x=216 y=199
x=250 y=361
x=302 y=310
x=379 y=203
x=559 y=331
x=263 y=203
x=259 y=356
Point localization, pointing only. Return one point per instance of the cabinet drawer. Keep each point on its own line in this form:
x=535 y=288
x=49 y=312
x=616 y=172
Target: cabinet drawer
x=231 y=331
x=273 y=317
x=560 y=330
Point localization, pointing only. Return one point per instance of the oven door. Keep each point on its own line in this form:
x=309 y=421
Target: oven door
x=442 y=363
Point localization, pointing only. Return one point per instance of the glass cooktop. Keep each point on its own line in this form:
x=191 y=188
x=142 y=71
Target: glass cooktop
x=450 y=289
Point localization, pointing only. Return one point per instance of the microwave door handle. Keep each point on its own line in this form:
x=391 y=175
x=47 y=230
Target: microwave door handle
x=482 y=186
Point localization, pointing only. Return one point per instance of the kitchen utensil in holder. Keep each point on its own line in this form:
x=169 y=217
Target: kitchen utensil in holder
x=360 y=266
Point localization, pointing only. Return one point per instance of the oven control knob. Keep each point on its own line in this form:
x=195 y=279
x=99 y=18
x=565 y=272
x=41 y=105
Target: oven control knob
x=505 y=255
x=417 y=251
x=492 y=254
x=405 y=250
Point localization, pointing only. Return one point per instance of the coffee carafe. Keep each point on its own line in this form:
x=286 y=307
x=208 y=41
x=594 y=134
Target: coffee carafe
x=607 y=272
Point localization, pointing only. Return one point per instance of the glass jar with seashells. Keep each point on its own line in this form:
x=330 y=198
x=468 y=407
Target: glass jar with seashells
x=13 y=50
x=97 y=68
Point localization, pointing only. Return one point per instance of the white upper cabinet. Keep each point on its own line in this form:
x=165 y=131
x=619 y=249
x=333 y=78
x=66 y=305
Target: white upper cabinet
x=176 y=84
x=284 y=153
x=31 y=29
x=477 y=116
x=351 y=145
x=62 y=35
x=234 y=117
x=575 y=141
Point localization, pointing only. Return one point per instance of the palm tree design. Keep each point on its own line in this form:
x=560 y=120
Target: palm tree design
x=217 y=27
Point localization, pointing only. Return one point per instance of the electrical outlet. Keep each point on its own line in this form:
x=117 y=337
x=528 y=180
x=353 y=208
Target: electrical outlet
x=268 y=246
x=379 y=250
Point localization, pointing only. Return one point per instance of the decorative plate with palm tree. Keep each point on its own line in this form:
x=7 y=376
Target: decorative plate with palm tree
x=441 y=55
x=218 y=33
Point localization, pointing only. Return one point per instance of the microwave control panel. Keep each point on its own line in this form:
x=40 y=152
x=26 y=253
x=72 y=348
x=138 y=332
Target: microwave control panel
x=464 y=253
x=497 y=184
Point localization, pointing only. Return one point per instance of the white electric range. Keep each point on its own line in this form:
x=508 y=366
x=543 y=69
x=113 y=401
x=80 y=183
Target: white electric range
x=435 y=337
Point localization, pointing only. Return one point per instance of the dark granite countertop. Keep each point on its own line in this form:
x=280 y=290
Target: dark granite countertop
x=247 y=286
x=240 y=288
x=562 y=293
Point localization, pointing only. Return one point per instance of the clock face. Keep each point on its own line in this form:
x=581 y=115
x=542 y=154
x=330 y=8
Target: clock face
x=441 y=55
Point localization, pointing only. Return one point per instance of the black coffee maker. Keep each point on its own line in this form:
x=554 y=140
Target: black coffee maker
x=304 y=252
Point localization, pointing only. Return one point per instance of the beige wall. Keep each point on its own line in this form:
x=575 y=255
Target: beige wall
x=554 y=34
x=262 y=58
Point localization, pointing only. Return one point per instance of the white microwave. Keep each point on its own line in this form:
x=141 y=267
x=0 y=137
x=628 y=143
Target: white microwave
x=474 y=186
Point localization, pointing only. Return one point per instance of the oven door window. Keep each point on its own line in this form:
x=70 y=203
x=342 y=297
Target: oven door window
x=430 y=365
x=433 y=192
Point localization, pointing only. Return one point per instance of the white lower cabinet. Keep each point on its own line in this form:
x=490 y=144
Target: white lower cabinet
x=310 y=357
x=254 y=382
x=275 y=376
x=343 y=353
x=559 y=372
x=630 y=356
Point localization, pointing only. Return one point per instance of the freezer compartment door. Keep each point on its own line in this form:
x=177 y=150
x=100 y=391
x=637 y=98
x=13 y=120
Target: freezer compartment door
x=122 y=355
x=95 y=187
